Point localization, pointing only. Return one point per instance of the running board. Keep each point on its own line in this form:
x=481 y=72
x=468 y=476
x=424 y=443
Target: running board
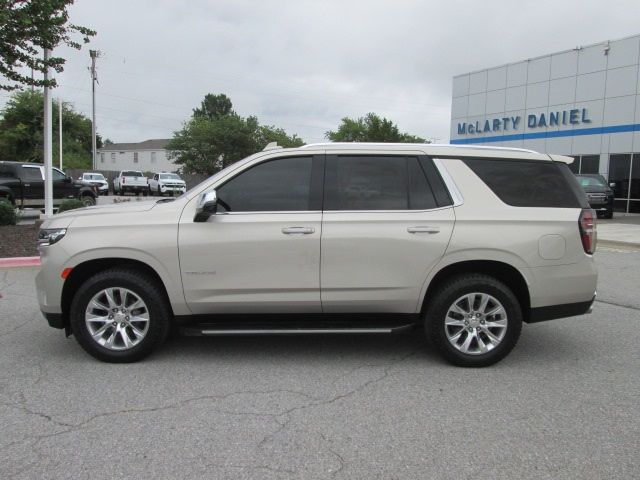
x=221 y=330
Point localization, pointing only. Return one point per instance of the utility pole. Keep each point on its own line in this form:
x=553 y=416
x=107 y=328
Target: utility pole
x=94 y=54
x=60 y=131
x=48 y=133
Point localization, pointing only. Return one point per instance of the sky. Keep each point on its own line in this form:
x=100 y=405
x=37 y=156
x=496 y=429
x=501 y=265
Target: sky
x=303 y=65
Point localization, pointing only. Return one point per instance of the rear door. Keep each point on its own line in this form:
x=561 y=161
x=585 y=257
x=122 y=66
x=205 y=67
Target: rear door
x=32 y=185
x=387 y=221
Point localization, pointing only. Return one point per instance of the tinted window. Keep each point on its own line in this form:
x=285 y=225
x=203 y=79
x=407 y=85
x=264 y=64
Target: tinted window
x=377 y=183
x=31 y=174
x=277 y=185
x=530 y=183
x=57 y=175
x=590 y=164
x=131 y=174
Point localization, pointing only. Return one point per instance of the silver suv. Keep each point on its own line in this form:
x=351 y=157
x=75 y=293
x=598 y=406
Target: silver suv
x=465 y=242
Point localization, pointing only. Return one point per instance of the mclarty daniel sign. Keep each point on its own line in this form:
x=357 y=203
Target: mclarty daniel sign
x=574 y=116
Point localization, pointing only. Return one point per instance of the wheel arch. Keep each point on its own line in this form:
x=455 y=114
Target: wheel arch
x=504 y=272
x=87 y=269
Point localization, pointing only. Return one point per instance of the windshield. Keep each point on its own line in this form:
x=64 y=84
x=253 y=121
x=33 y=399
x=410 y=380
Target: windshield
x=591 y=181
x=170 y=176
x=94 y=176
x=131 y=174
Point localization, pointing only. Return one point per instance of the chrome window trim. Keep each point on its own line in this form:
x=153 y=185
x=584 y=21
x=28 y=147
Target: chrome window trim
x=456 y=196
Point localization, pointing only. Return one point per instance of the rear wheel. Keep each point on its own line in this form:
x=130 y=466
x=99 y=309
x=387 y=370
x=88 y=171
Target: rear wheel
x=120 y=316
x=473 y=320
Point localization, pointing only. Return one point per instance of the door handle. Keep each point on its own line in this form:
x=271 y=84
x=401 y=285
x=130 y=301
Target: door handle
x=298 y=230
x=423 y=229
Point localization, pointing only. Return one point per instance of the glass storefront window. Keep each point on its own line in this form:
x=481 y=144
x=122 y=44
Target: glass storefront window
x=634 y=205
x=619 y=166
x=590 y=164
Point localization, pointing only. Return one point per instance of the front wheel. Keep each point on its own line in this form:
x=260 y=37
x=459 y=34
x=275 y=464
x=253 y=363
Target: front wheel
x=120 y=315
x=473 y=320
x=88 y=200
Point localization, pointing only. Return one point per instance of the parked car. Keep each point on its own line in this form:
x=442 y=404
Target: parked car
x=466 y=243
x=23 y=185
x=131 y=181
x=164 y=182
x=599 y=193
x=98 y=180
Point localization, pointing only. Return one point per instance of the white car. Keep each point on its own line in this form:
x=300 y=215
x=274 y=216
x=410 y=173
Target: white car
x=98 y=180
x=163 y=182
x=463 y=243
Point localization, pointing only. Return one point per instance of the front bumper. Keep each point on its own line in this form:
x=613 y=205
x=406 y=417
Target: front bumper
x=173 y=188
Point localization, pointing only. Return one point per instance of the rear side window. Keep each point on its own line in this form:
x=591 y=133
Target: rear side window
x=31 y=174
x=522 y=183
x=131 y=174
x=376 y=183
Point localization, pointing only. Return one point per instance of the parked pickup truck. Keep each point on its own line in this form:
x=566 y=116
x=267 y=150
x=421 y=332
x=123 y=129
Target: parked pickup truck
x=23 y=185
x=164 y=182
x=130 y=181
x=98 y=180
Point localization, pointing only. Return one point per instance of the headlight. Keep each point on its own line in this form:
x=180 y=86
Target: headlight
x=49 y=236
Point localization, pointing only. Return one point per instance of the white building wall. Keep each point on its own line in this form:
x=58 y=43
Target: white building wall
x=602 y=79
x=146 y=160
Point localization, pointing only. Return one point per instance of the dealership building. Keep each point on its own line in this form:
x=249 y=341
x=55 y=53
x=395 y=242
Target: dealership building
x=583 y=102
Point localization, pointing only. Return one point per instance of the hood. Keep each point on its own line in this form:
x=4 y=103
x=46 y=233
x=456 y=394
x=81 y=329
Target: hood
x=82 y=183
x=116 y=208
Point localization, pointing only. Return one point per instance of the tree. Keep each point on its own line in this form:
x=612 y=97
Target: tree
x=371 y=128
x=28 y=27
x=216 y=136
x=22 y=126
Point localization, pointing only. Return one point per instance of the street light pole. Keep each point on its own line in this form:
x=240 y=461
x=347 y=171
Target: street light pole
x=60 y=131
x=94 y=78
x=48 y=133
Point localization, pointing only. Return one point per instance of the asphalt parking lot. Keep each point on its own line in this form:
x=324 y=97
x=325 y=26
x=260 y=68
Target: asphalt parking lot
x=564 y=404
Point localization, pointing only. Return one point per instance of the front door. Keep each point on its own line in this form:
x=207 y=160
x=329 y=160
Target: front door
x=261 y=252
x=387 y=221
x=62 y=186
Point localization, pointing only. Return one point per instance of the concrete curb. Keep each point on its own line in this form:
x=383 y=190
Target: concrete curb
x=13 y=262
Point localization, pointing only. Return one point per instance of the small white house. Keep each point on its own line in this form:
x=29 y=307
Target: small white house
x=147 y=156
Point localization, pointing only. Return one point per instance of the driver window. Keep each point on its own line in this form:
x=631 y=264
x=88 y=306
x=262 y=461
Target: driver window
x=277 y=185
x=57 y=175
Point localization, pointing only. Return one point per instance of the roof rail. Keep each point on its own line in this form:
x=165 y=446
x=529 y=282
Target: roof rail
x=331 y=145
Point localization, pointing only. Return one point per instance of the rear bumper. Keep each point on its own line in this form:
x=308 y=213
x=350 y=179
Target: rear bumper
x=553 y=312
x=54 y=320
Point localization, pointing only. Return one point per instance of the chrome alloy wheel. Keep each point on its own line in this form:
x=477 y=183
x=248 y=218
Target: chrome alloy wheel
x=476 y=323
x=117 y=318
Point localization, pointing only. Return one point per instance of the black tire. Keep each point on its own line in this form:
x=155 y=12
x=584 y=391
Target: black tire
x=608 y=214
x=142 y=285
x=443 y=299
x=88 y=200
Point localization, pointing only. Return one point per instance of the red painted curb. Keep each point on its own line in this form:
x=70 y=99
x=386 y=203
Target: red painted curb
x=20 y=262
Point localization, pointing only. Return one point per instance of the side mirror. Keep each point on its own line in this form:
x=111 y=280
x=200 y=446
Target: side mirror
x=612 y=184
x=207 y=206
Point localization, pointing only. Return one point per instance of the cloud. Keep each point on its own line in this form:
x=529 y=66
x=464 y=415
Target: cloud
x=303 y=65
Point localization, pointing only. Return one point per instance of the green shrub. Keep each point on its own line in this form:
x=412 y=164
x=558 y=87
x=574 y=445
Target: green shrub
x=70 y=204
x=8 y=215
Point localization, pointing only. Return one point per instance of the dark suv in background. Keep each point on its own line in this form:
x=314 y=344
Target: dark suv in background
x=598 y=192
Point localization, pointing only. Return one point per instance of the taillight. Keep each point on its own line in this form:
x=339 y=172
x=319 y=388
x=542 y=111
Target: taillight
x=588 y=233
x=123 y=179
